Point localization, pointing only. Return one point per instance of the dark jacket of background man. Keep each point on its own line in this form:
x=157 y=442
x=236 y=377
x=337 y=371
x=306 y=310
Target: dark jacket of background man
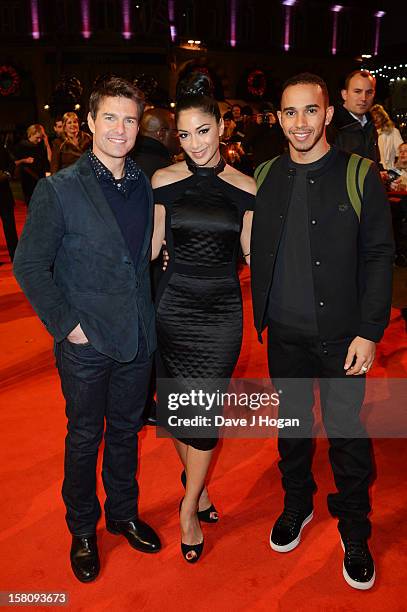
x=157 y=142
x=151 y=155
x=347 y=134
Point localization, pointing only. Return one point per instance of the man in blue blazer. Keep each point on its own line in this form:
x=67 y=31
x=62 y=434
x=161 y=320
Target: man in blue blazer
x=83 y=263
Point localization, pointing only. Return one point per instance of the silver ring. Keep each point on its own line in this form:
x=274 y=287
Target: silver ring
x=364 y=369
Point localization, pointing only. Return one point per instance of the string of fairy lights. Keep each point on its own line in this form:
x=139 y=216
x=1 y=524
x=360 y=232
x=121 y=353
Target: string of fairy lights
x=389 y=72
x=395 y=75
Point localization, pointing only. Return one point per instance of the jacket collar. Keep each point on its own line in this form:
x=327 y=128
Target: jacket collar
x=343 y=119
x=90 y=185
x=331 y=159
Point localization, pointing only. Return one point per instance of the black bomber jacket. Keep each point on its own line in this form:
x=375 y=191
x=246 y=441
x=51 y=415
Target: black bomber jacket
x=352 y=259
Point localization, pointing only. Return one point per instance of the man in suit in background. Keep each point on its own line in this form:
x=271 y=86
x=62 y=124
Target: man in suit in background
x=352 y=128
x=83 y=263
x=158 y=141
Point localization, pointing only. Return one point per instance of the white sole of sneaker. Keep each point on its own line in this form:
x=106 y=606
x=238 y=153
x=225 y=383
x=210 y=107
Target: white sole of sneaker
x=294 y=543
x=361 y=586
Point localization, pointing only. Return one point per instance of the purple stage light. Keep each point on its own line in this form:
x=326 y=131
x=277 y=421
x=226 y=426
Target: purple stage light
x=171 y=19
x=336 y=9
x=127 y=31
x=233 y=11
x=378 y=15
x=288 y=4
x=85 y=12
x=35 y=22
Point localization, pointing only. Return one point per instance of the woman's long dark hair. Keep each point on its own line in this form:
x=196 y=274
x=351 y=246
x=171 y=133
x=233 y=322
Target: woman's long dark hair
x=196 y=91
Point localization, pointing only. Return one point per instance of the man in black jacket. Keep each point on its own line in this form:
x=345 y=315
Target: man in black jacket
x=352 y=128
x=158 y=141
x=83 y=262
x=321 y=281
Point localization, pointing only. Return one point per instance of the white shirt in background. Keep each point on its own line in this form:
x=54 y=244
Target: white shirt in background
x=389 y=142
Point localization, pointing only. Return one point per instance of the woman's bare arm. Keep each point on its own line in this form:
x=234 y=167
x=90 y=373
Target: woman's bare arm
x=246 y=235
x=159 y=230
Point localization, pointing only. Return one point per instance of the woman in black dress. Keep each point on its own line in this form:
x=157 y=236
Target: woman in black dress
x=203 y=211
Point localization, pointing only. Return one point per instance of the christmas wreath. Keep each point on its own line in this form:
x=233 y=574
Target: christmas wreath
x=9 y=80
x=257 y=83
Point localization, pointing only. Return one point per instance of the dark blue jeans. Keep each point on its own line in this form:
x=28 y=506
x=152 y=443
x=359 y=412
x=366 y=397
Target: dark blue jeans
x=98 y=389
x=303 y=359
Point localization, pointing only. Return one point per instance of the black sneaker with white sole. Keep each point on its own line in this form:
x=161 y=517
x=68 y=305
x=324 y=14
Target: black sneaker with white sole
x=286 y=533
x=358 y=565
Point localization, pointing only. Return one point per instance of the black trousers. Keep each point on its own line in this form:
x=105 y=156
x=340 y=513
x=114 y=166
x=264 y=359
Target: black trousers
x=302 y=358
x=28 y=184
x=98 y=389
x=7 y=217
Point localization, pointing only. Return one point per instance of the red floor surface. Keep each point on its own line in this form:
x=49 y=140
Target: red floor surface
x=238 y=570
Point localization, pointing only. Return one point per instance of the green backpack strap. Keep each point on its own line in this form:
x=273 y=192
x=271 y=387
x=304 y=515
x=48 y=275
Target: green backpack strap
x=262 y=171
x=356 y=172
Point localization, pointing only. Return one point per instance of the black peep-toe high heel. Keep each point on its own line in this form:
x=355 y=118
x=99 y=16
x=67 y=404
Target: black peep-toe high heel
x=186 y=549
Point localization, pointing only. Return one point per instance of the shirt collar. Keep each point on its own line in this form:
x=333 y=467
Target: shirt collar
x=131 y=172
x=362 y=120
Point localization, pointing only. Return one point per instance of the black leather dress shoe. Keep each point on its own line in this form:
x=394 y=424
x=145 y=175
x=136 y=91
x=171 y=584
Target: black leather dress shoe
x=138 y=534
x=85 y=558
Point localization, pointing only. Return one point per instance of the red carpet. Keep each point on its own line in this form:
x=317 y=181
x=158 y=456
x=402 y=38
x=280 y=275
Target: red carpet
x=238 y=571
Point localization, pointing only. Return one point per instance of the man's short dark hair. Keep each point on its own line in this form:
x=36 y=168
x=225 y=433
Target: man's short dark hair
x=307 y=78
x=363 y=73
x=115 y=87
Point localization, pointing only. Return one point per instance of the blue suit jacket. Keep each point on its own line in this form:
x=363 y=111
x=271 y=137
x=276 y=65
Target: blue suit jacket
x=74 y=266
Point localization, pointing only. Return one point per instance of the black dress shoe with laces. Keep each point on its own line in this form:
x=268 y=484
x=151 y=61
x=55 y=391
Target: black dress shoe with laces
x=138 y=534
x=286 y=533
x=358 y=565
x=85 y=558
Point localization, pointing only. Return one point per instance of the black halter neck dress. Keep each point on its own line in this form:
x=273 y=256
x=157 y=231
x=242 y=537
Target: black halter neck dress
x=199 y=304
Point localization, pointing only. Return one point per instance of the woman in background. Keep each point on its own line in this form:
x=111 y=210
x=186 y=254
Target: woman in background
x=31 y=158
x=203 y=210
x=389 y=137
x=68 y=149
